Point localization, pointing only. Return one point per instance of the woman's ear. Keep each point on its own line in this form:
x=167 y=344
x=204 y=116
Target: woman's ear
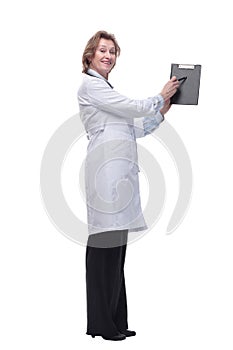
x=89 y=59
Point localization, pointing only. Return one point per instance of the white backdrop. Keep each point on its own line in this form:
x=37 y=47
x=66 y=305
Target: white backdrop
x=179 y=286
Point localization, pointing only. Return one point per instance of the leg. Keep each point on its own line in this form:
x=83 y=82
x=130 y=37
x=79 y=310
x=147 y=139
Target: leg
x=120 y=316
x=104 y=268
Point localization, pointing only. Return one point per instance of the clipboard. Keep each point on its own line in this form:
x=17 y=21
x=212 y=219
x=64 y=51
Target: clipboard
x=189 y=76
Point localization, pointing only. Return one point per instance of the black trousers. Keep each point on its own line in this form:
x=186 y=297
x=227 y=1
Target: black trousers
x=105 y=283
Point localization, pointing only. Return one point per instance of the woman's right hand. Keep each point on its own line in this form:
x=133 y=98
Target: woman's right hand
x=170 y=88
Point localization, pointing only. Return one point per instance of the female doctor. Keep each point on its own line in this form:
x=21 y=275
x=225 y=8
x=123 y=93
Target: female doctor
x=112 y=122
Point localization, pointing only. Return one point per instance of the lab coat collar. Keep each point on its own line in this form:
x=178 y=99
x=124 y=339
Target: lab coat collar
x=93 y=73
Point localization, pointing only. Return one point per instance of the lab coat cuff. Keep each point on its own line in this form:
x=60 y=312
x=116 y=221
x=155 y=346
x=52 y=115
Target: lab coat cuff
x=158 y=102
x=159 y=118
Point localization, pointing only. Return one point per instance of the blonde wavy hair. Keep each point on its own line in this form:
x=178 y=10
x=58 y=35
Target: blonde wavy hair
x=92 y=45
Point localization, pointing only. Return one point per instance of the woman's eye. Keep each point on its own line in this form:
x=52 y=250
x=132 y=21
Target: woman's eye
x=111 y=52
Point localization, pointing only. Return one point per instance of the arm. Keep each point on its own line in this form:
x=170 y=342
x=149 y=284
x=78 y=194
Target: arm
x=106 y=99
x=146 y=125
x=150 y=124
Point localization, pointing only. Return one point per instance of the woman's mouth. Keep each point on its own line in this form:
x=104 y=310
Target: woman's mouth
x=108 y=63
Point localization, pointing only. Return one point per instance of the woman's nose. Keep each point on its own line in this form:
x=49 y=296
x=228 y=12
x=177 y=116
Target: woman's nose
x=107 y=54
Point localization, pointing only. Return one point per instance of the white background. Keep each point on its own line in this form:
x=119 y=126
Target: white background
x=179 y=286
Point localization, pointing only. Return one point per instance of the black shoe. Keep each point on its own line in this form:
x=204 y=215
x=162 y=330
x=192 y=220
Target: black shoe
x=119 y=336
x=128 y=333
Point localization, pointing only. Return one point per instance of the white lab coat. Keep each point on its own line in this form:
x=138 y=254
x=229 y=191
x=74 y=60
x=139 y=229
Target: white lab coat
x=113 y=122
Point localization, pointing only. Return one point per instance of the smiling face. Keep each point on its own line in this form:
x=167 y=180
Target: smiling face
x=104 y=58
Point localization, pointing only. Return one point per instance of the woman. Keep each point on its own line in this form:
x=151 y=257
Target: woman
x=112 y=122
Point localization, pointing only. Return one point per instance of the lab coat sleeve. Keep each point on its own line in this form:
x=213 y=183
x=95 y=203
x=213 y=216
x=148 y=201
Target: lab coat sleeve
x=146 y=125
x=103 y=97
